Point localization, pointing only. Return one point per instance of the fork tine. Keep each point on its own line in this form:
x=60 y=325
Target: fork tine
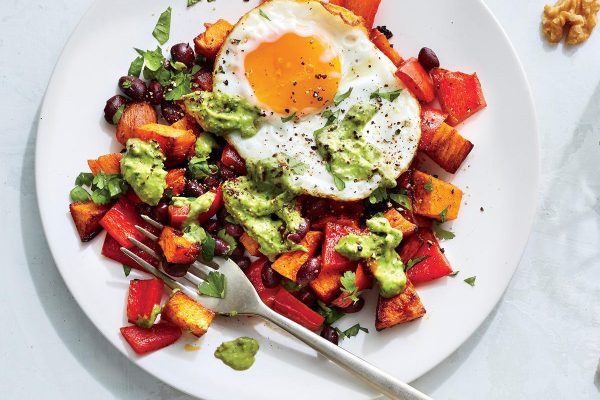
x=143 y=247
x=152 y=222
x=173 y=284
x=147 y=233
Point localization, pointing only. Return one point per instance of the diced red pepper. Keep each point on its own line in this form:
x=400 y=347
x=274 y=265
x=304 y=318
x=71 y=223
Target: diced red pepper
x=460 y=94
x=287 y=305
x=254 y=274
x=319 y=224
x=177 y=215
x=112 y=249
x=230 y=158
x=143 y=297
x=418 y=81
x=386 y=47
x=331 y=259
x=363 y=281
x=144 y=340
x=431 y=120
x=364 y=8
x=120 y=222
x=434 y=266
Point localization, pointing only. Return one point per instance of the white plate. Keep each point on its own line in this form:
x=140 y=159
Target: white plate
x=500 y=175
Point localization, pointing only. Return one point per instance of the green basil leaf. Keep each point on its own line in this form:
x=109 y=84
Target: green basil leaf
x=163 y=27
x=135 y=68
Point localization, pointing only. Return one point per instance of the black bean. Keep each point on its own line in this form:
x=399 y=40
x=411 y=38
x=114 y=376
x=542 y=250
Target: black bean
x=234 y=230
x=171 y=112
x=270 y=277
x=243 y=262
x=315 y=209
x=161 y=213
x=193 y=188
x=222 y=215
x=386 y=32
x=212 y=226
x=306 y=295
x=428 y=59
x=175 y=270
x=302 y=230
x=330 y=334
x=354 y=307
x=309 y=271
x=221 y=247
x=226 y=172
x=212 y=181
x=133 y=87
x=156 y=93
x=202 y=80
x=238 y=252
x=112 y=105
x=183 y=53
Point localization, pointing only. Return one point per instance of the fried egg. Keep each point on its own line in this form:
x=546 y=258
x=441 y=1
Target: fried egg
x=297 y=59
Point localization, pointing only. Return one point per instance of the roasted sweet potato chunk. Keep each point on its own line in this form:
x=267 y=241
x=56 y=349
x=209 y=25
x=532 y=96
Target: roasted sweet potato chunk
x=448 y=148
x=210 y=41
x=176 y=248
x=134 y=115
x=327 y=285
x=176 y=181
x=397 y=221
x=87 y=216
x=175 y=144
x=385 y=46
x=288 y=264
x=250 y=245
x=434 y=198
x=404 y=307
x=109 y=164
x=187 y=314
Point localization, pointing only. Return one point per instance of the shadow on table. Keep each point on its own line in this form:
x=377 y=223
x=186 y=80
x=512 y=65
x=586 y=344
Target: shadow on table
x=93 y=352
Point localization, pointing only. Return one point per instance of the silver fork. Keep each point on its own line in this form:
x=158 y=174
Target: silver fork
x=241 y=299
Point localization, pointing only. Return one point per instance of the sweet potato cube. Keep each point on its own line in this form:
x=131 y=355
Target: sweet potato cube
x=176 y=248
x=134 y=115
x=176 y=181
x=175 y=144
x=250 y=245
x=385 y=46
x=187 y=314
x=87 y=216
x=210 y=41
x=401 y=308
x=434 y=198
x=398 y=221
x=327 y=285
x=448 y=148
x=109 y=164
x=431 y=120
x=460 y=94
x=187 y=123
x=289 y=263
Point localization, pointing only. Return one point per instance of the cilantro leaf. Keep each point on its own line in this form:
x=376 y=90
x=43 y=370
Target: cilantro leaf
x=341 y=97
x=208 y=248
x=443 y=214
x=84 y=179
x=229 y=239
x=290 y=285
x=453 y=274
x=192 y=2
x=162 y=29
x=337 y=181
x=331 y=314
x=331 y=116
x=390 y=96
x=429 y=185
x=214 y=286
x=126 y=269
x=288 y=118
x=378 y=195
x=153 y=59
x=352 y=331
x=78 y=194
x=297 y=167
x=471 y=280
x=402 y=199
x=262 y=14
x=414 y=261
x=348 y=281
x=181 y=85
x=135 y=68
x=440 y=232
x=117 y=117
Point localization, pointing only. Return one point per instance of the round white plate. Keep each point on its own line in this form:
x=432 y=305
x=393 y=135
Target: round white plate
x=499 y=176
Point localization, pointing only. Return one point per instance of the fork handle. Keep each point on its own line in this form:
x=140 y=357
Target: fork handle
x=379 y=380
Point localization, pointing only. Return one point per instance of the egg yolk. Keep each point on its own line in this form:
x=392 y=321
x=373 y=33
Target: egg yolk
x=293 y=74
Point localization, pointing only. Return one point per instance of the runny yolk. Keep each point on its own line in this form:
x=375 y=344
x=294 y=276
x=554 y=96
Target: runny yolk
x=293 y=74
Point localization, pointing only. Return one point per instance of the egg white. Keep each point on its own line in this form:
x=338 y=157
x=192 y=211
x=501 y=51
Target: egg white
x=395 y=129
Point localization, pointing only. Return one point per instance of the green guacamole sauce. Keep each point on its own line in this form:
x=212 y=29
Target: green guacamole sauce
x=378 y=245
x=143 y=168
x=192 y=230
x=263 y=202
x=239 y=353
x=349 y=156
x=222 y=113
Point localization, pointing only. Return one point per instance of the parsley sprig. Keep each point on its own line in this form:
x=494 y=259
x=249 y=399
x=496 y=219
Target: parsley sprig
x=348 y=281
x=214 y=286
x=331 y=314
x=440 y=232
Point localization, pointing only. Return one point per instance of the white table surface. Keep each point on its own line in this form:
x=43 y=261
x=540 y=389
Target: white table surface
x=542 y=341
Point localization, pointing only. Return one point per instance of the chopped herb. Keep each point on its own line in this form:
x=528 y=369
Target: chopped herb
x=178 y=66
x=331 y=116
x=153 y=59
x=163 y=27
x=290 y=285
x=331 y=314
x=378 y=195
x=440 y=232
x=182 y=85
x=288 y=118
x=352 y=331
x=453 y=274
x=337 y=181
x=414 y=261
x=471 y=280
x=262 y=14
x=348 y=281
x=78 y=194
x=84 y=179
x=390 y=96
x=126 y=269
x=135 y=69
x=297 y=167
x=195 y=69
x=214 y=286
x=443 y=214
x=429 y=185
x=126 y=84
x=103 y=187
x=402 y=199
x=229 y=239
x=341 y=97
x=208 y=248
x=192 y=2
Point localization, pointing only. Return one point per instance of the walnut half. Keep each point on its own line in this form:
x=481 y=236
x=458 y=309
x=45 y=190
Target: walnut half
x=578 y=17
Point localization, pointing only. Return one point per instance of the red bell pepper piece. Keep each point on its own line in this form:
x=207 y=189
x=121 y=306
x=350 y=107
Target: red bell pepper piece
x=364 y=8
x=460 y=94
x=287 y=305
x=434 y=266
x=418 y=81
x=142 y=301
x=363 y=281
x=230 y=158
x=177 y=215
x=331 y=259
x=254 y=274
x=431 y=120
x=112 y=249
x=144 y=340
x=120 y=223
x=319 y=225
